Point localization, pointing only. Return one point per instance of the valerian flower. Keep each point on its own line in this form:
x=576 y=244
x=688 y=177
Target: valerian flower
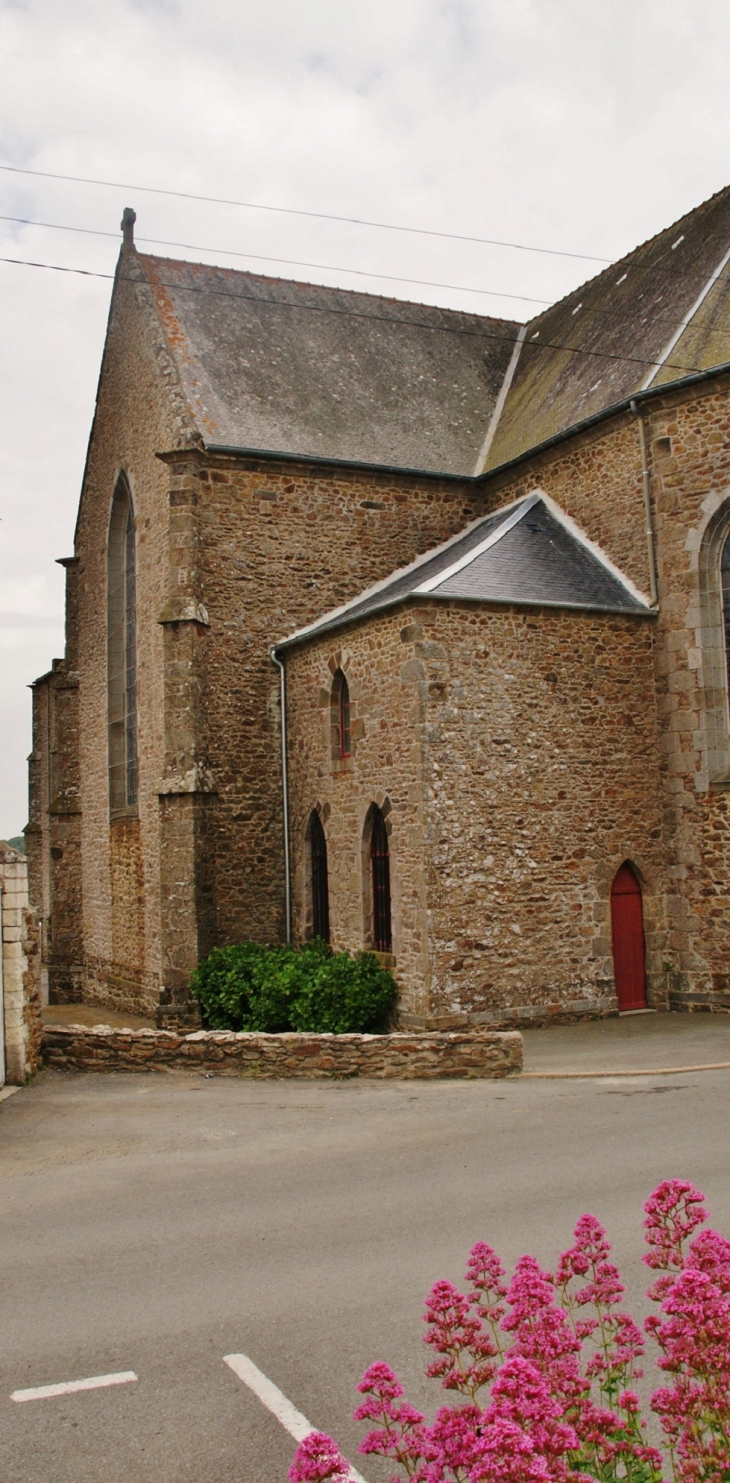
x=466 y=1350
x=547 y=1367
x=399 y=1434
x=318 y=1460
x=673 y=1213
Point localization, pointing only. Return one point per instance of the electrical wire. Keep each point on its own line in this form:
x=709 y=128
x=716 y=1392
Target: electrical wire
x=330 y=309
x=592 y=310
x=357 y=221
x=290 y=262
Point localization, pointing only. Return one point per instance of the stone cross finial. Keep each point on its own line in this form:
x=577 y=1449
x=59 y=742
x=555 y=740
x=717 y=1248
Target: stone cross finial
x=129 y=217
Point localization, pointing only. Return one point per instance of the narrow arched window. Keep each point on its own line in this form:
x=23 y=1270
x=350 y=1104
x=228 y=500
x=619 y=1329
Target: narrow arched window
x=320 y=884
x=122 y=652
x=725 y=581
x=380 y=882
x=714 y=584
x=341 y=732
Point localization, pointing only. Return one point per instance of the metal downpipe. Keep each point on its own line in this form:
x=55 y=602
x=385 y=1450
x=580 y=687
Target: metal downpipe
x=285 y=790
x=646 y=478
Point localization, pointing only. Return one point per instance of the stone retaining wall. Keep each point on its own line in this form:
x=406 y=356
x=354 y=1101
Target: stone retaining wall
x=467 y=1054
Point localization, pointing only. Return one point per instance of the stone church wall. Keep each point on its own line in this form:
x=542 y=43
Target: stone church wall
x=596 y=477
x=386 y=768
x=53 y=834
x=119 y=883
x=517 y=753
x=543 y=778
x=266 y=547
x=280 y=544
x=690 y=443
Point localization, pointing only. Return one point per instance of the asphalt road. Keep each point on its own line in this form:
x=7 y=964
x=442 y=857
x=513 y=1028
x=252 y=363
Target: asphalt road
x=157 y=1223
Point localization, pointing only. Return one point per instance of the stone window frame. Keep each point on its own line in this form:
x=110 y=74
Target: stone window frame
x=338 y=665
x=341 y=718
x=121 y=562
x=384 y=956
x=715 y=651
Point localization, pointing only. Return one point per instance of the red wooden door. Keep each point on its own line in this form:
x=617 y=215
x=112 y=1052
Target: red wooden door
x=627 y=932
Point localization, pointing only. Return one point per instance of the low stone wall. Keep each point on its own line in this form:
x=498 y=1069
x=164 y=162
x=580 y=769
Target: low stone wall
x=337 y=1057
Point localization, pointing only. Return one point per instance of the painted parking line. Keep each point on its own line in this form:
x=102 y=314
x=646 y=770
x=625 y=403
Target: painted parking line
x=67 y=1387
x=276 y=1402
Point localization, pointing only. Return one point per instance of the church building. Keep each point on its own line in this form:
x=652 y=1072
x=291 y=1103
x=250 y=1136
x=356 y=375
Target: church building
x=402 y=627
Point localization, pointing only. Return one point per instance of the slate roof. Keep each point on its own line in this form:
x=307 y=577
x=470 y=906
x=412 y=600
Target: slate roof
x=294 y=368
x=528 y=554
x=274 y=366
x=620 y=324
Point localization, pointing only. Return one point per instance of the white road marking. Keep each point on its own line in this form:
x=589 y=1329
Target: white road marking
x=66 y=1387
x=276 y=1402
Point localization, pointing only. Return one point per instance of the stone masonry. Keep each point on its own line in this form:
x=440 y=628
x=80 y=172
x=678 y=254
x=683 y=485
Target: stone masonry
x=218 y=802
x=519 y=754
x=469 y=1055
x=20 y=947
x=515 y=755
x=596 y=478
x=132 y=903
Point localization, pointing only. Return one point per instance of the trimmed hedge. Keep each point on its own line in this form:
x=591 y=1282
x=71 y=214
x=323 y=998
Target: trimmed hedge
x=247 y=987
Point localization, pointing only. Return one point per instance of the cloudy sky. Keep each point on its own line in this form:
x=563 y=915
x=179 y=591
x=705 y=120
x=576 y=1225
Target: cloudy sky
x=560 y=124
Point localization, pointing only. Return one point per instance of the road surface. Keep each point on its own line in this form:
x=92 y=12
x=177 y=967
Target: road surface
x=154 y=1224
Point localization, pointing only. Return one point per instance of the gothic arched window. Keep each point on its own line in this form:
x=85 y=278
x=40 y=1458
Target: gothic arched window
x=122 y=652
x=714 y=584
x=320 y=884
x=382 y=937
x=725 y=584
x=341 y=734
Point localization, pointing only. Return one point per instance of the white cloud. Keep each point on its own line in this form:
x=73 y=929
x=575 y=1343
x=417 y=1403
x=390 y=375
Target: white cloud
x=551 y=122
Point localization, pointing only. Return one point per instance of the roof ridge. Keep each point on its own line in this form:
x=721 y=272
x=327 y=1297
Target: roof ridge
x=400 y=571
x=627 y=256
x=518 y=512
x=324 y=288
x=506 y=519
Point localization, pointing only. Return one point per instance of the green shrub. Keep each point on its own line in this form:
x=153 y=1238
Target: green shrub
x=247 y=987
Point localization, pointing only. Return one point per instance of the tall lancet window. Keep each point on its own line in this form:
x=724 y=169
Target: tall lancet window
x=380 y=879
x=725 y=578
x=341 y=733
x=320 y=883
x=122 y=653
x=714 y=585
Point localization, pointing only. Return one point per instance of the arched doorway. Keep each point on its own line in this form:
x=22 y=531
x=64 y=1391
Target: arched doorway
x=627 y=934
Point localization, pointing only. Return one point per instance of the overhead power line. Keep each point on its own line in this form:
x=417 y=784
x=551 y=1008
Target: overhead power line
x=256 y=257
x=291 y=262
x=331 y=309
x=357 y=221
x=663 y=266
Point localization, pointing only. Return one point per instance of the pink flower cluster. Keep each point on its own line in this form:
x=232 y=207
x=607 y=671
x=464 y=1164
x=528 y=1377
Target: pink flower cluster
x=545 y=1367
x=693 y=1334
